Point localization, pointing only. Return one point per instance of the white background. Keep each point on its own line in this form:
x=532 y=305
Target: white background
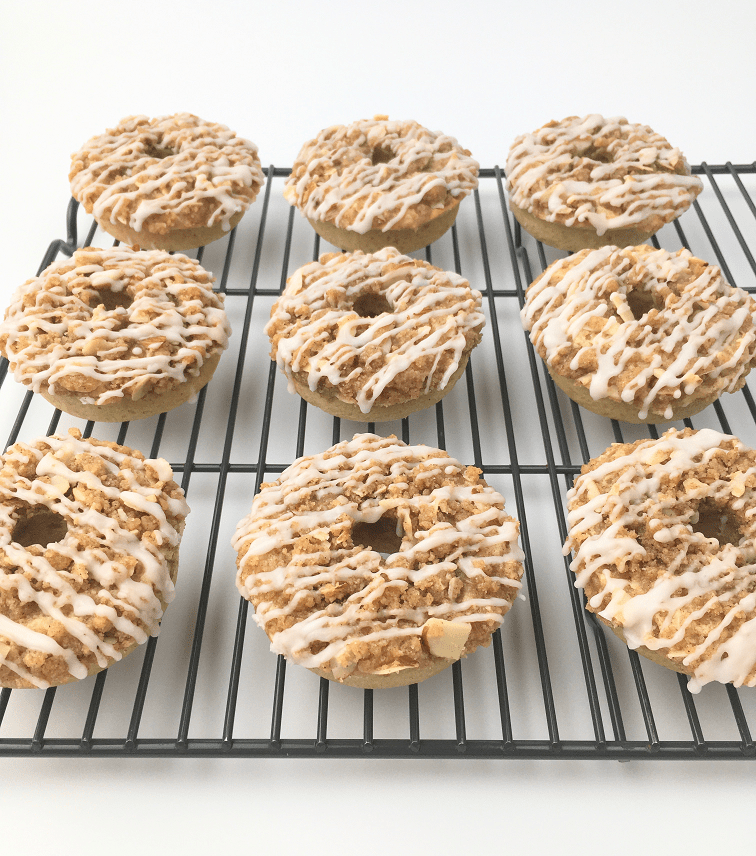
x=483 y=73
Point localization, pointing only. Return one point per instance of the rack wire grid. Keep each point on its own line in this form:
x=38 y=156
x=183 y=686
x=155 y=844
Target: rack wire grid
x=550 y=686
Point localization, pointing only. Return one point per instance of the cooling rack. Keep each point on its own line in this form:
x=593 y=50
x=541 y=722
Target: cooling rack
x=550 y=686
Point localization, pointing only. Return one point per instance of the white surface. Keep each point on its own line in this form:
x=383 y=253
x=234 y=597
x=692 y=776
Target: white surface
x=483 y=74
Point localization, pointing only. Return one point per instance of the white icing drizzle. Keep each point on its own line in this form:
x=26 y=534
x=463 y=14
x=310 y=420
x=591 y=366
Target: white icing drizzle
x=419 y=175
x=606 y=173
x=646 y=568
x=295 y=550
x=105 y=576
x=174 y=171
x=58 y=335
x=413 y=347
x=697 y=340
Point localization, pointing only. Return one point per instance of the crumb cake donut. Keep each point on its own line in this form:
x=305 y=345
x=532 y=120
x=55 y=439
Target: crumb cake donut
x=663 y=534
x=118 y=334
x=639 y=334
x=378 y=183
x=373 y=337
x=89 y=540
x=171 y=183
x=585 y=182
x=378 y=564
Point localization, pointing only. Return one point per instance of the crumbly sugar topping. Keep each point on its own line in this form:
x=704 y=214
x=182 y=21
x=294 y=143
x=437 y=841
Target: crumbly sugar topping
x=84 y=600
x=173 y=172
x=642 y=326
x=380 y=174
x=325 y=600
x=425 y=320
x=114 y=323
x=663 y=534
x=603 y=173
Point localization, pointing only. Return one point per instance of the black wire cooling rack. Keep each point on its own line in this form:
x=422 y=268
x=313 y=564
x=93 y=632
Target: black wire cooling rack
x=550 y=686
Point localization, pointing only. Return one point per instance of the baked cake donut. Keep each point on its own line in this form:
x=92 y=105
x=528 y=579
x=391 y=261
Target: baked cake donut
x=378 y=564
x=171 y=183
x=89 y=540
x=663 y=534
x=373 y=337
x=117 y=334
x=639 y=334
x=585 y=182
x=378 y=183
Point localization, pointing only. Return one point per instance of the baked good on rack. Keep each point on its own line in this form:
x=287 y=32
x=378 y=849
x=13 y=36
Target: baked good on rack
x=379 y=183
x=585 y=182
x=663 y=534
x=639 y=334
x=89 y=540
x=378 y=564
x=373 y=337
x=116 y=334
x=171 y=183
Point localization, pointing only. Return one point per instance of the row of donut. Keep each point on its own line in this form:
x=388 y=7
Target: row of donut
x=178 y=182
x=377 y=564
x=637 y=334
x=374 y=564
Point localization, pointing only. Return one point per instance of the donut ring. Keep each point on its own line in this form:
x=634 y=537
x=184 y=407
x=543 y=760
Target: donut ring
x=586 y=182
x=117 y=334
x=378 y=183
x=639 y=334
x=663 y=534
x=374 y=337
x=89 y=539
x=378 y=564
x=171 y=183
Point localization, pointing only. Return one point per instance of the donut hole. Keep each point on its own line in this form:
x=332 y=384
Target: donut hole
x=154 y=150
x=599 y=154
x=371 y=305
x=381 y=155
x=380 y=536
x=640 y=302
x=113 y=300
x=41 y=526
x=715 y=521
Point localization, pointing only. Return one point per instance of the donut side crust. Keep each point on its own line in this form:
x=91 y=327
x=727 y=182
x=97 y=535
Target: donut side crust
x=404 y=240
x=126 y=409
x=327 y=400
x=175 y=240
x=579 y=236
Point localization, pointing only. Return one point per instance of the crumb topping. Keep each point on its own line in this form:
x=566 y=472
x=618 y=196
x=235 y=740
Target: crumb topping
x=327 y=599
x=663 y=534
x=114 y=323
x=379 y=328
x=73 y=605
x=642 y=326
x=602 y=173
x=173 y=172
x=380 y=174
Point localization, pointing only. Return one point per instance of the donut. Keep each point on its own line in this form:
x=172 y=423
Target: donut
x=117 y=334
x=374 y=337
x=639 y=334
x=585 y=182
x=663 y=535
x=378 y=564
x=171 y=183
x=89 y=540
x=378 y=183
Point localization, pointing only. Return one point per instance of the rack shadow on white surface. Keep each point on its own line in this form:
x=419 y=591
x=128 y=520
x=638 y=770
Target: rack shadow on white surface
x=552 y=685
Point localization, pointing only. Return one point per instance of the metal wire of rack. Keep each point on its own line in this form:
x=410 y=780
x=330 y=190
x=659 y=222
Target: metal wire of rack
x=551 y=685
